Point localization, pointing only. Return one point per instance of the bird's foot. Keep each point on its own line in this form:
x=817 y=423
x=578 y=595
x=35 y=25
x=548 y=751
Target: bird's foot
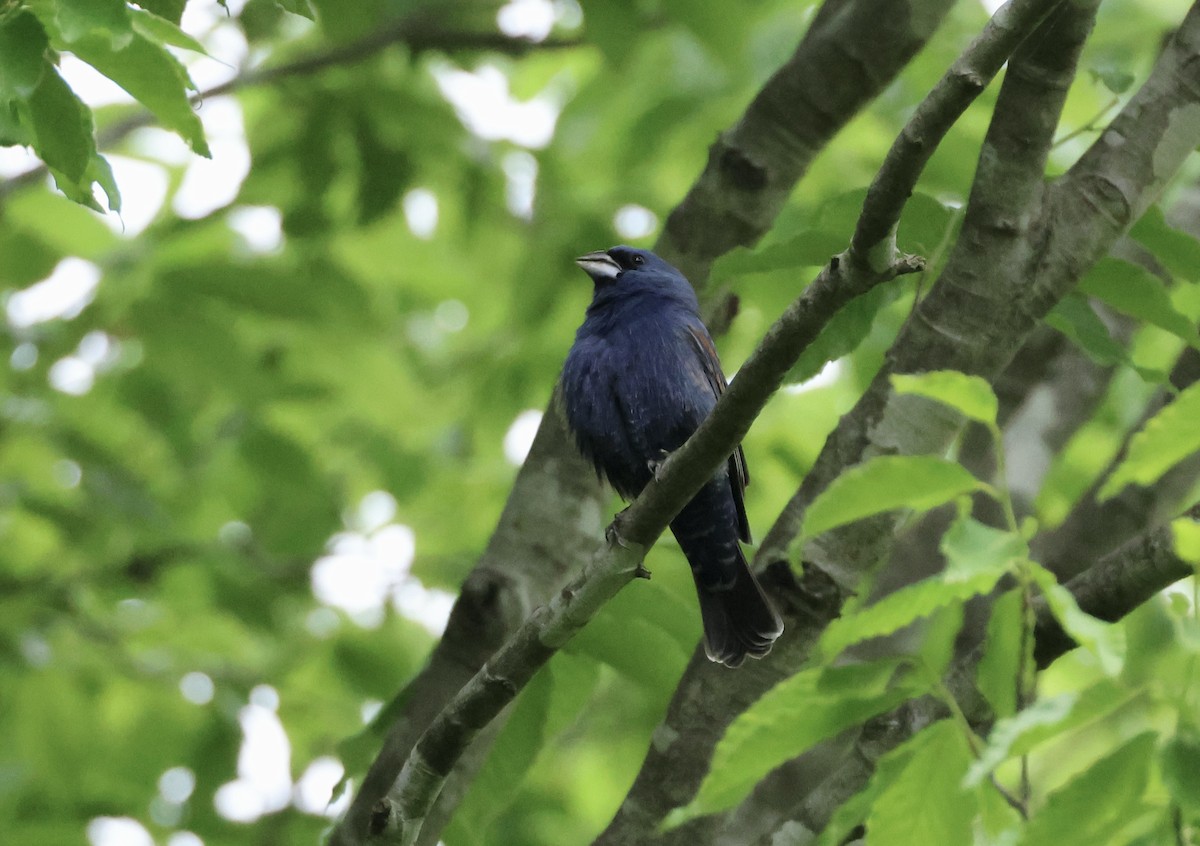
x=613 y=535
x=656 y=465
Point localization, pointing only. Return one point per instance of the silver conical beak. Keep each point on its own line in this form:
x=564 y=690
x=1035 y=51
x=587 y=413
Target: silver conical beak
x=599 y=265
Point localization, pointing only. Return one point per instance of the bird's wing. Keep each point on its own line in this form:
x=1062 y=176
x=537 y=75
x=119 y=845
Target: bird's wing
x=710 y=370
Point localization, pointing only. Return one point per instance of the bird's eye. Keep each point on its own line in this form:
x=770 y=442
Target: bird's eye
x=638 y=259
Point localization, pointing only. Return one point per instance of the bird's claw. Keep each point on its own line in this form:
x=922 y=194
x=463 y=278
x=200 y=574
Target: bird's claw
x=612 y=534
x=656 y=464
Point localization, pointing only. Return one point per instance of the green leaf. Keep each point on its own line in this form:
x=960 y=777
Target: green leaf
x=1139 y=293
x=1102 y=797
x=100 y=172
x=903 y=813
x=924 y=225
x=886 y=483
x=1186 y=534
x=842 y=335
x=79 y=19
x=62 y=127
x=1105 y=640
x=970 y=395
x=1074 y=317
x=23 y=46
x=297 y=7
x=791 y=717
x=888 y=770
x=171 y=10
x=1180 y=760
x=1117 y=80
x=902 y=608
x=971 y=547
x=154 y=77
x=1176 y=250
x=163 y=31
x=1046 y=718
x=1167 y=438
x=997 y=673
x=812 y=248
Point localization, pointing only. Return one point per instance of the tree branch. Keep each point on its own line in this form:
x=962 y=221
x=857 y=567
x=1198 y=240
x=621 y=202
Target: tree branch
x=844 y=61
x=613 y=565
x=554 y=490
x=705 y=703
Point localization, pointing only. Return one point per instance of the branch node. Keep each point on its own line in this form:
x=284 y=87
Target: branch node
x=381 y=814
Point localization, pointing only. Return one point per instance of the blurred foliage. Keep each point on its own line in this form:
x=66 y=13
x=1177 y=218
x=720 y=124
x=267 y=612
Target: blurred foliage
x=180 y=448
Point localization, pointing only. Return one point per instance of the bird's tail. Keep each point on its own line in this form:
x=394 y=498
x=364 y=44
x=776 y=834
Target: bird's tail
x=738 y=619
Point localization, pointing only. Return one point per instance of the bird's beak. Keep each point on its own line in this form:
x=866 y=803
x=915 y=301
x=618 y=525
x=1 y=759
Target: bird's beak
x=600 y=266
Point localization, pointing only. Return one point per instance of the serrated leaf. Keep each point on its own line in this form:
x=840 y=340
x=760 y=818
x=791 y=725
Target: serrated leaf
x=902 y=608
x=970 y=395
x=1175 y=249
x=903 y=813
x=1045 y=718
x=23 y=46
x=1167 y=438
x=1089 y=806
x=886 y=483
x=996 y=676
x=1104 y=640
x=1135 y=291
x=1180 y=759
x=791 y=717
x=843 y=333
x=62 y=127
x=154 y=77
x=812 y=248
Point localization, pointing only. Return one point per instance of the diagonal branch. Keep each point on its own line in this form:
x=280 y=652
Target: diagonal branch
x=706 y=702
x=844 y=61
x=551 y=517
x=613 y=565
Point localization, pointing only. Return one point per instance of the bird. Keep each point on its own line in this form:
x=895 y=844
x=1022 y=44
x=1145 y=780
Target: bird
x=640 y=378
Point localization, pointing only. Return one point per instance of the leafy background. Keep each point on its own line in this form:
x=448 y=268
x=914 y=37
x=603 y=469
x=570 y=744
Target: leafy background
x=261 y=412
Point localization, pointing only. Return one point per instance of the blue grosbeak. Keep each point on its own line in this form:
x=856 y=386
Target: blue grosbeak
x=640 y=378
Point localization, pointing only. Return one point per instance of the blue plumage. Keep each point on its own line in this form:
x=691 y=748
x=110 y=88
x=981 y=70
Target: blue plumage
x=640 y=378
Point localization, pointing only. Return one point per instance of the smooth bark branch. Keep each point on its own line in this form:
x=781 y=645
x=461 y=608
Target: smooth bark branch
x=844 y=61
x=613 y=565
x=1086 y=211
x=553 y=515
x=910 y=152
x=705 y=703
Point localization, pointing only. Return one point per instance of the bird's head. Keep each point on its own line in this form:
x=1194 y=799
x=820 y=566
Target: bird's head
x=609 y=266
x=622 y=271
